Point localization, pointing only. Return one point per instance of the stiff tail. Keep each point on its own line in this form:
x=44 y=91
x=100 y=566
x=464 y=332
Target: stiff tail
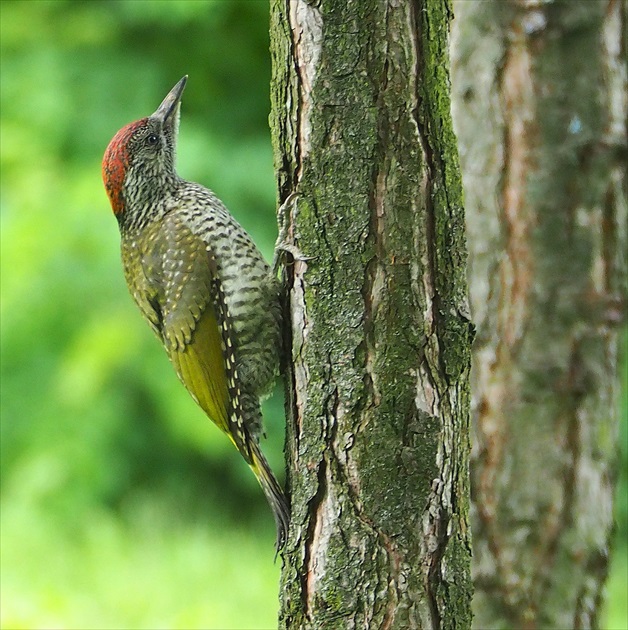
x=274 y=494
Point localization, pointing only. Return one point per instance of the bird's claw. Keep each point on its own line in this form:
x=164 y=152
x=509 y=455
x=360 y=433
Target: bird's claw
x=283 y=245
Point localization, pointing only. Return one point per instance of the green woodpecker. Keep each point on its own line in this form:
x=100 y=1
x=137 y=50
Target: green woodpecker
x=201 y=284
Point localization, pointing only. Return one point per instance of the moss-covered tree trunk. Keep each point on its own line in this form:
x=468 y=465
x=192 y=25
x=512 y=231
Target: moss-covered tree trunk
x=540 y=110
x=378 y=429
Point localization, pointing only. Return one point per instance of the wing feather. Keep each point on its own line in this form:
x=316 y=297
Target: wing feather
x=181 y=294
x=200 y=367
x=191 y=325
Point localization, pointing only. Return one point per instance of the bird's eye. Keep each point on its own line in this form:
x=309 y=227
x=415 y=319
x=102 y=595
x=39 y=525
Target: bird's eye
x=152 y=139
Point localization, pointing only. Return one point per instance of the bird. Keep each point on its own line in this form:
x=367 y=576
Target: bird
x=201 y=283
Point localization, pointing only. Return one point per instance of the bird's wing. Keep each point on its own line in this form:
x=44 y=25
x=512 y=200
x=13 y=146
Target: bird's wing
x=190 y=313
x=197 y=330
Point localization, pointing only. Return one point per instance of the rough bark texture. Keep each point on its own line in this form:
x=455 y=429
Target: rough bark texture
x=540 y=109
x=378 y=439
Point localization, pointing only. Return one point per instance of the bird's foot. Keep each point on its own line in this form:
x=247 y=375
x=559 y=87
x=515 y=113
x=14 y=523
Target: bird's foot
x=283 y=245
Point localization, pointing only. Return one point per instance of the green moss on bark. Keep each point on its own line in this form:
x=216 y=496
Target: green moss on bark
x=378 y=444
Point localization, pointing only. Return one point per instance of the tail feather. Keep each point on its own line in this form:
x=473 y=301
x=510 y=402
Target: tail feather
x=274 y=494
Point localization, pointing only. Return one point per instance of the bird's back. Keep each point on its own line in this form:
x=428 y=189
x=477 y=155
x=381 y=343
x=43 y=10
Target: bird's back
x=251 y=292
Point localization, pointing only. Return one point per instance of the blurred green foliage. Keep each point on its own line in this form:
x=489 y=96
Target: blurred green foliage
x=122 y=506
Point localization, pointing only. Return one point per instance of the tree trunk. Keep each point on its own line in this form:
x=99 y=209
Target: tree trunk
x=378 y=420
x=540 y=109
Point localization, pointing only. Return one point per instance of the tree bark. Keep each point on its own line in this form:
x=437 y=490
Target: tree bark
x=540 y=110
x=378 y=414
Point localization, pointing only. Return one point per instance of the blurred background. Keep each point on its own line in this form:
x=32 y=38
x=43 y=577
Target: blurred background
x=122 y=506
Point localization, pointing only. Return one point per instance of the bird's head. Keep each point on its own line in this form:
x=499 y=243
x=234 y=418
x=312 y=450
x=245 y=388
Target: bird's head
x=139 y=161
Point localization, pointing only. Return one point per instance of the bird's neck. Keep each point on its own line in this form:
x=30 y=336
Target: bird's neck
x=146 y=200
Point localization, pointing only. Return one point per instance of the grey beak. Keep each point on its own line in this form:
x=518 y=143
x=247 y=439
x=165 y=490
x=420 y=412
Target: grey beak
x=170 y=104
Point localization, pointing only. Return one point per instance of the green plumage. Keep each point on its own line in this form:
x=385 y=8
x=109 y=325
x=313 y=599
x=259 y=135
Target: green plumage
x=169 y=274
x=201 y=284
